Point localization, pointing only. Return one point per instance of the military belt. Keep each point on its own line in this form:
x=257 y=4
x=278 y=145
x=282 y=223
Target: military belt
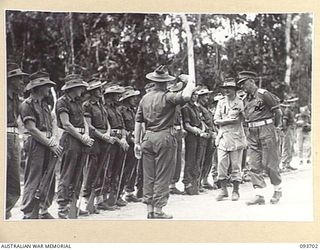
x=12 y=130
x=177 y=127
x=259 y=123
x=80 y=130
x=116 y=132
x=47 y=134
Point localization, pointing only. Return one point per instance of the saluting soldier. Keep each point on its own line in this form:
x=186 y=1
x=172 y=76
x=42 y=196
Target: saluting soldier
x=117 y=150
x=129 y=101
x=74 y=140
x=99 y=129
x=14 y=90
x=137 y=177
x=263 y=117
x=40 y=145
x=158 y=146
x=230 y=140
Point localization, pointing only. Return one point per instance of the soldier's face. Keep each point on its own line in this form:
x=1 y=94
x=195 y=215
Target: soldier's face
x=79 y=91
x=204 y=99
x=133 y=101
x=16 y=83
x=45 y=90
x=247 y=86
x=97 y=93
x=194 y=97
x=229 y=92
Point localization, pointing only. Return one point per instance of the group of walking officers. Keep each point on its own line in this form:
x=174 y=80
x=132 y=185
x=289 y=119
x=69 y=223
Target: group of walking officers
x=114 y=142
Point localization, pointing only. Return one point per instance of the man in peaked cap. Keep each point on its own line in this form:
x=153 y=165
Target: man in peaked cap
x=158 y=146
x=99 y=129
x=41 y=146
x=117 y=150
x=129 y=101
x=14 y=86
x=230 y=140
x=74 y=140
x=263 y=117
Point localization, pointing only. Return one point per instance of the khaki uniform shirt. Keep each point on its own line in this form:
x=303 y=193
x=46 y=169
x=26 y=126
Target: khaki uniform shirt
x=230 y=137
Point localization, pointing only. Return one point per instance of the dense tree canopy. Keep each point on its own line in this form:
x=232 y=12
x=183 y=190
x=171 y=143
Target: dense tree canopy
x=122 y=48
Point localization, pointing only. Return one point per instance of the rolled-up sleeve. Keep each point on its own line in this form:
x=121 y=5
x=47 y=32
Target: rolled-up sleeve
x=139 y=114
x=62 y=107
x=185 y=112
x=87 y=108
x=27 y=113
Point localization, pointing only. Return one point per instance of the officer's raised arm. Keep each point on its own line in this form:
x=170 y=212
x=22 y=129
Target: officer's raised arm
x=188 y=90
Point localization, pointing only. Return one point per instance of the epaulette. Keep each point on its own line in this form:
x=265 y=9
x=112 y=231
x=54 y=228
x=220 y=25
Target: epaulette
x=86 y=104
x=28 y=100
x=261 y=91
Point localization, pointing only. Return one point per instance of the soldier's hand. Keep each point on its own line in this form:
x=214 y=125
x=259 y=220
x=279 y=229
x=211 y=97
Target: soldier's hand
x=112 y=139
x=108 y=138
x=88 y=141
x=184 y=133
x=137 y=151
x=124 y=144
x=57 y=150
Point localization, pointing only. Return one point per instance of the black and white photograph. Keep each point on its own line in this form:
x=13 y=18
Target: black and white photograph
x=158 y=116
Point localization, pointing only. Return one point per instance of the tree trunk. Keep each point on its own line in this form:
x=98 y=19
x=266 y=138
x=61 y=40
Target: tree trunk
x=288 y=46
x=191 y=69
x=71 y=41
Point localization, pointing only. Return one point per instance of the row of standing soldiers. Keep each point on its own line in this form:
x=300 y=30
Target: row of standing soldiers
x=95 y=150
x=108 y=144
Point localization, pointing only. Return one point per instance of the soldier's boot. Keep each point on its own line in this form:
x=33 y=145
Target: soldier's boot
x=235 y=192
x=257 y=200
x=223 y=191
x=276 y=197
x=63 y=212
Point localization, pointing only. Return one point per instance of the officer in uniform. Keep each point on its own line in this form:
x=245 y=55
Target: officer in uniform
x=230 y=140
x=117 y=150
x=99 y=128
x=158 y=146
x=74 y=140
x=263 y=117
x=129 y=100
x=137 y=177
x=40 y=145
x=179 y=133
x=14 y=87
